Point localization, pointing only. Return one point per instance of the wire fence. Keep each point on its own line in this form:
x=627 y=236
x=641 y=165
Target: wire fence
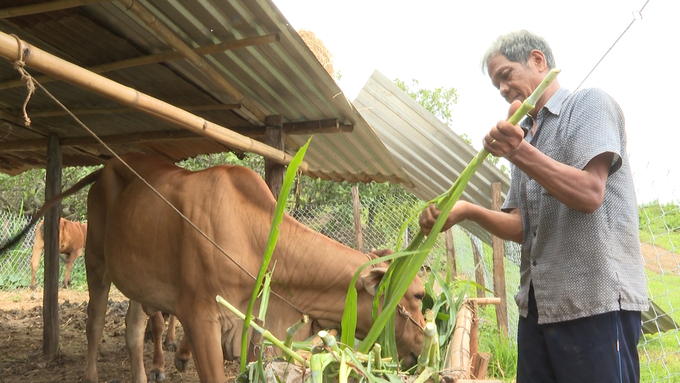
x=381 y=223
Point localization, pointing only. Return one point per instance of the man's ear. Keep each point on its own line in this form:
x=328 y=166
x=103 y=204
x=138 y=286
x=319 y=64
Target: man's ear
x=538 y=58
x=372 y=279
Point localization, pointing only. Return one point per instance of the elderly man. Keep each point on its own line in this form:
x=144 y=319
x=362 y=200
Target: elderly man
x=572 y=207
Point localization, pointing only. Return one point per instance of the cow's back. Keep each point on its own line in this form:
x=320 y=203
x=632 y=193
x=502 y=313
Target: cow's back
x=151 y=253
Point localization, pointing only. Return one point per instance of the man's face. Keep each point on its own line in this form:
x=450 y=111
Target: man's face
x=514 y=80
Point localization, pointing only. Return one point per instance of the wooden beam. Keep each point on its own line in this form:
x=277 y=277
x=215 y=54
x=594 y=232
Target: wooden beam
x=330 y=125
x=134 y=138
x=50 y=64
x=45 y=7
x=251 y=110
x=166 y=135
x=300 y=128
x=82 y=112
x=154 y=59
x=50 y=292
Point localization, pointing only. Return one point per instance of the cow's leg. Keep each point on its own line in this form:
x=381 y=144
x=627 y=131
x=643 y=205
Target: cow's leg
x=157 y=373
x=69 y=265
x=38 y=246
x=205 y=337
x=134 y=340
x=183 y=354
x=170 y=339
x=98 y=286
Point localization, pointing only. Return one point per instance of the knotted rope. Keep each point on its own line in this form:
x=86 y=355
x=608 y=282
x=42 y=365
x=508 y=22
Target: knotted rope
x=19 y=65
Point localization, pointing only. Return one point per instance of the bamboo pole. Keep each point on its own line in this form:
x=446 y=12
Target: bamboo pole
x=71 y=73
x=157 y=58
x=46 y=7
x=251 y=109
x=486 y=301
x=459 y=356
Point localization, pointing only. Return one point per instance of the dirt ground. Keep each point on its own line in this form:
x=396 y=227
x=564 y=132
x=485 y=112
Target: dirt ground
x=21 y=335
x=21 y=344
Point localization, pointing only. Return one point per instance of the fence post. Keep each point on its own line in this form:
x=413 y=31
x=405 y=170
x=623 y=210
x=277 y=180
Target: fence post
x=357 y=218
x=499 y=266
x=273 y=172
x=479 y=268
x=451 y=252
x=50 y=293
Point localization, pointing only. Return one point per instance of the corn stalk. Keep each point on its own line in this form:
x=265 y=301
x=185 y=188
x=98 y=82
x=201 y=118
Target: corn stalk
x=265 y=334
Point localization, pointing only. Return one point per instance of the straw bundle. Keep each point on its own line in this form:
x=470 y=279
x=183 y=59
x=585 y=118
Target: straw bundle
x=320 y=51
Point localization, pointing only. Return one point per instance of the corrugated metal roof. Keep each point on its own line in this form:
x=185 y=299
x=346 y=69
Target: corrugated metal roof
x=283 y=78
x=431 y=154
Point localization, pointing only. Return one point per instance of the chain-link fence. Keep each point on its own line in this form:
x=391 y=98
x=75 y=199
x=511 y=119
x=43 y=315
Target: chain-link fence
x=381 y=224
x=15 y=265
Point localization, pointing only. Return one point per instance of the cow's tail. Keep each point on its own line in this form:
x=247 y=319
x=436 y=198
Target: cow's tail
x=87 y=180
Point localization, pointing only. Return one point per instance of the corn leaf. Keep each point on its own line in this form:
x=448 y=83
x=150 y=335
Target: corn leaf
x=271 y=244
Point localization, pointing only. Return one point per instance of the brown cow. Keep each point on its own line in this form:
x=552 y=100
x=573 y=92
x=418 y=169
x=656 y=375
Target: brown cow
x=160 y=262
x=71 y=243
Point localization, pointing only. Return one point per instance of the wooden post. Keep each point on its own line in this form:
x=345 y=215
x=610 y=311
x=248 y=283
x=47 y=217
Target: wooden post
x=479 y=268
x=357 y=218
x=499 y=266
x=50 y=294
x=273 y=172
x=451 y=252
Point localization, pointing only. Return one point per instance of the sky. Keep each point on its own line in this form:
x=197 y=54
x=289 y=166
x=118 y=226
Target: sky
x=440 y=43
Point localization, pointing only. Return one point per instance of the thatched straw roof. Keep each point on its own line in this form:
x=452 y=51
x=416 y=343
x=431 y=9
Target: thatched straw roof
x=320 y=51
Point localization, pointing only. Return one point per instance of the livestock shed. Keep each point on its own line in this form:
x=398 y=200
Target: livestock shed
x=172 y=79
x=179 y=78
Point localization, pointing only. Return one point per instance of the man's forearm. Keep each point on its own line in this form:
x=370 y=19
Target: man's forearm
x=504 y=225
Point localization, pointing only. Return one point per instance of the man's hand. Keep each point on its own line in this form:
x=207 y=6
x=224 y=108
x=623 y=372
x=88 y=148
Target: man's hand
x=505 y=139
x=429 y=216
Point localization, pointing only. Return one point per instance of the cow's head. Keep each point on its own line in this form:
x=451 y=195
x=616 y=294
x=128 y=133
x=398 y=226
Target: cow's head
x=409 y=321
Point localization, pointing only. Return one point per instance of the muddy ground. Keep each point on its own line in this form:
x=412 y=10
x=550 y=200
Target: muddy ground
x=21 y=334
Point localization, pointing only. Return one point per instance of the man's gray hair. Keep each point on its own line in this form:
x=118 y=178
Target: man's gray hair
x=517 y=46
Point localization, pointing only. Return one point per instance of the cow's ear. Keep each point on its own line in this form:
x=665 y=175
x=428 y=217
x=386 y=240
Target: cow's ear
x=372 y=279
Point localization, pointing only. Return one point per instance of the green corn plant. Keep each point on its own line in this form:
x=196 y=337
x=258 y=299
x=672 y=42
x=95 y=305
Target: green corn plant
x=349 y=315
x=271 y=244
x=402 y=271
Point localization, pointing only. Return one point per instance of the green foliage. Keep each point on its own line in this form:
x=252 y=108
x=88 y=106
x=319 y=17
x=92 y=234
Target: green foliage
x=503 y=350
x=28 y=190
x=656 y=364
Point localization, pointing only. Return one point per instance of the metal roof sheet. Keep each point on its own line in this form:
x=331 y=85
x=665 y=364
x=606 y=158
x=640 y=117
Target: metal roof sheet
x=283 y=78
x=431 y=154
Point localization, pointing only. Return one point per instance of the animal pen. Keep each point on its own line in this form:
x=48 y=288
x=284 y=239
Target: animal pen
x=161 y=78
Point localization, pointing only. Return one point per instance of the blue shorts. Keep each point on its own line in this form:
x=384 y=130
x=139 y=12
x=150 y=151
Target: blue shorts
x=598 y=349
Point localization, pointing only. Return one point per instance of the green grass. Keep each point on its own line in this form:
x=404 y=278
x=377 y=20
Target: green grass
x=660 y=353
x=17 y=273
